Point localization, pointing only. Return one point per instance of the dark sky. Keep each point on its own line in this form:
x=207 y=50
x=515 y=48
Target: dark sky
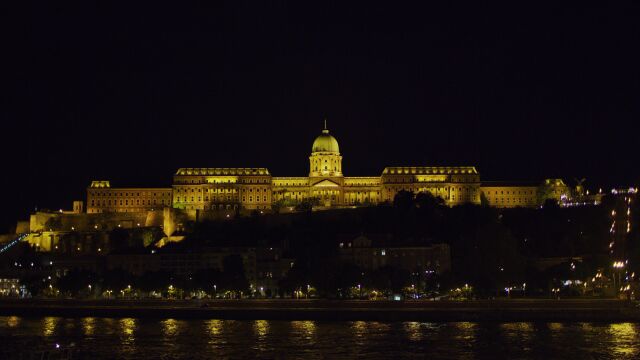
x=131 y=92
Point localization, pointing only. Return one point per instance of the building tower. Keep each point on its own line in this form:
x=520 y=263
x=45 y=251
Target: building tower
x=325 y=159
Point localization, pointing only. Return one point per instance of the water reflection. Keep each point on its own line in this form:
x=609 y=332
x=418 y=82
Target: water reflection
x=49 y=325
x=128 y=327
x=261 y=328
x=414 y=333
x=88 y=326
x=517 y=327
x=127 y=335
x=306 y=328
x=214 y=327
x=359 y=329
x=555 y=326
x=13 y=321
x=103 y=338
x=467 y=330
x=518 y=330
x=171 y=327
x=624 y=339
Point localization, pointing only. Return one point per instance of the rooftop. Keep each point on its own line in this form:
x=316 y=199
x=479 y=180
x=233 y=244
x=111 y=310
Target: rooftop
x=222 y=171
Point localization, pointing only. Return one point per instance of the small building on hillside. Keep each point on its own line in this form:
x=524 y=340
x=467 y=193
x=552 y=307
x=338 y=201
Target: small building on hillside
x=373 y=252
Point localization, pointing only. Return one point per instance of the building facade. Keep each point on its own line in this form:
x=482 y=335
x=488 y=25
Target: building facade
x=510 y=195
x=102 y=198
x=372 y=255
x=326 y=186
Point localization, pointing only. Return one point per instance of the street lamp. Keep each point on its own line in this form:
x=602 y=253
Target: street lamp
x=215 y=291
x=360 y=291
x=617 y=267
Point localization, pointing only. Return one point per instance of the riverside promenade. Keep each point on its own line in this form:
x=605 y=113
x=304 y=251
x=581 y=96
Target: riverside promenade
x=506 y=310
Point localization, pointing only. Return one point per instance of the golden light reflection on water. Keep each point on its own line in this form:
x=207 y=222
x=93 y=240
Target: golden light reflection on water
x=171 y=327
x=88 y=326
x=414 y=333
x=307 y=328
x=261 y=328
x=13 y=321
x=128 y=327
x=555 y=326
x=359 y=328
x=467 y=330
x=517 y=327
x=369 y=330
x=49 y=325
x=624 y=339
x=214 y=327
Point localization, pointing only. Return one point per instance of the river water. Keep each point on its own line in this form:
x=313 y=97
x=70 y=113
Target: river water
x=130 y=338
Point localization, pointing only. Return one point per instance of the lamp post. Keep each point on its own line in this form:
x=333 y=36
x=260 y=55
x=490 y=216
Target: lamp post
x=359 y=291
x=215 y=291
x=617 y=267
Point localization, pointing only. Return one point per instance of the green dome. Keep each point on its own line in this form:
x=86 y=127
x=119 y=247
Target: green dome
x=325 y=143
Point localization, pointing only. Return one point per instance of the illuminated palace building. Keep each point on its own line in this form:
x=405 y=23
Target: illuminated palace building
x=256 y=189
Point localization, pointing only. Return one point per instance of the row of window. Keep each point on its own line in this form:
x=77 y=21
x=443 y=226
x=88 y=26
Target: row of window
x=510 y=192
x=126 y=202
x=224 y=181
x=120 y=194
x=392 y=180
x=206 y=198
x=519 y=200
x=218 y=190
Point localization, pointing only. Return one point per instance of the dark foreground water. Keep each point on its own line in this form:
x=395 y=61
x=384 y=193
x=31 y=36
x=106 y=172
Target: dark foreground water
x=128 y=338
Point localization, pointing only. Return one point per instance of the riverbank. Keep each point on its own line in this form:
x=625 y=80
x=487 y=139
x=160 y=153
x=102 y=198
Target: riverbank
x=438 y=311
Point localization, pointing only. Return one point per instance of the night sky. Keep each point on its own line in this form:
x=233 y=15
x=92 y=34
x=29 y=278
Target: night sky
x=129 y=93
